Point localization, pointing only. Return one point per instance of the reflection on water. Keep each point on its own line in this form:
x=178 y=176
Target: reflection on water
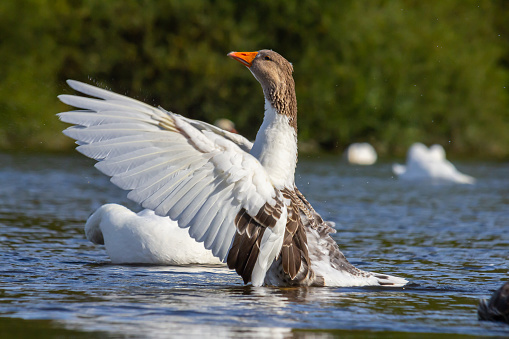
x=450 y=241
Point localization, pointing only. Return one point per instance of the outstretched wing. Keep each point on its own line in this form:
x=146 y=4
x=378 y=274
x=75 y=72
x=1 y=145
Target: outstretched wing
x=193 y=172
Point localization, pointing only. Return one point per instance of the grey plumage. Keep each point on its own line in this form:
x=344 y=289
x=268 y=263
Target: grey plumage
x=497 y=307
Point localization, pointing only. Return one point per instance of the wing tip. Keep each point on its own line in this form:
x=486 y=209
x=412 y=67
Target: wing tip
x=78 y=85
x=64 y=98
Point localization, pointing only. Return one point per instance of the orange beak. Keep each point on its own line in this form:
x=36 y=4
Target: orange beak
x=245 y=58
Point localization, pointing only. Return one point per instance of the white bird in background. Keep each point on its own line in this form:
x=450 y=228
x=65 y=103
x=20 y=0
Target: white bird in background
x=144 y=238
x=425 y=164
x=361 y=154
x=226 y=124
x=238 y=198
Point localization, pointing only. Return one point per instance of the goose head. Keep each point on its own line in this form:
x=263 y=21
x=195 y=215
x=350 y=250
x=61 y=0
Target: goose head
x=274 y=73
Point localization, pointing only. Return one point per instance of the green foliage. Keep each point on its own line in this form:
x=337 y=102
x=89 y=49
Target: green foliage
x=388 y=72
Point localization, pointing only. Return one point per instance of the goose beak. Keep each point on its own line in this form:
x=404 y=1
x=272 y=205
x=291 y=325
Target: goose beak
x=245 y=58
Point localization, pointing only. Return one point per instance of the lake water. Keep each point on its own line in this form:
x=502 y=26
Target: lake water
x=451 y=242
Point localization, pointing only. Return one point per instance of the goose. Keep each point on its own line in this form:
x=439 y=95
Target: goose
x=144 y=238
x=236 y=197
x=425 y=164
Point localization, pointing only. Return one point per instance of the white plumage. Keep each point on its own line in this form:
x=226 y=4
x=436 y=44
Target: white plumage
x=144 y=238
x=276 y=149
x=189 y=175
x=237 y=198
x=361 y=154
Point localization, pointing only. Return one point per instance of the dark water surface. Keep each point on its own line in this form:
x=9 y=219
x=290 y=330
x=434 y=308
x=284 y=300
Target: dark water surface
x=451 y=242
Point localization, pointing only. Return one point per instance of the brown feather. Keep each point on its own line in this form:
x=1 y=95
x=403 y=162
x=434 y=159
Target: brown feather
x=269 y=215
x=292 y=258
x=234 y=252
x=252 y=227
x=249 y=248
x=298 y=262
x=285 y=258
x=241 y=220
x=253 y=256
x=294 y=251
x=246 y=243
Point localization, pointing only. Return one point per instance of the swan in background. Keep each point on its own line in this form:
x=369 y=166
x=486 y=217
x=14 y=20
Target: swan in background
x=144 y=238
x=429 y=164
x=361 y=154
x=226 y=124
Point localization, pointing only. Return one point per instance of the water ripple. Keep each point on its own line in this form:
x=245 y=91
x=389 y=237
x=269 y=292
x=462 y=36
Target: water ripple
x=450 y=241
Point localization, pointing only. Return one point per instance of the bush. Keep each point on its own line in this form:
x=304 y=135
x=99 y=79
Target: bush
x=388 y=72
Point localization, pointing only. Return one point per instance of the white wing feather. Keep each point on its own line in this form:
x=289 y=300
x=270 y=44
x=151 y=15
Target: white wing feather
x=189 y=170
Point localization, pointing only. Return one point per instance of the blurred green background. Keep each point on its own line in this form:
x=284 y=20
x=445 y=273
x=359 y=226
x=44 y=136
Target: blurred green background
x=387 y=72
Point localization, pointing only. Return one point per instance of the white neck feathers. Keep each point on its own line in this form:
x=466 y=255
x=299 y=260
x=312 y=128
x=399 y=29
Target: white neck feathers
x=276 y=148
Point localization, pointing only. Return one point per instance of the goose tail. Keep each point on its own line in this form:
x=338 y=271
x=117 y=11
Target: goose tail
x=389 y=280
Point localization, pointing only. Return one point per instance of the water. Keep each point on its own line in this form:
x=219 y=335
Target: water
x=451 y=242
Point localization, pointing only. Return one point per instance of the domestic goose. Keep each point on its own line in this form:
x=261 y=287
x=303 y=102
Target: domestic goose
x=144 y=238
x=238 y=198
x=430 y=165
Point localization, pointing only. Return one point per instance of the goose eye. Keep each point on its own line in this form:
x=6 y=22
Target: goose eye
x=266 y=57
